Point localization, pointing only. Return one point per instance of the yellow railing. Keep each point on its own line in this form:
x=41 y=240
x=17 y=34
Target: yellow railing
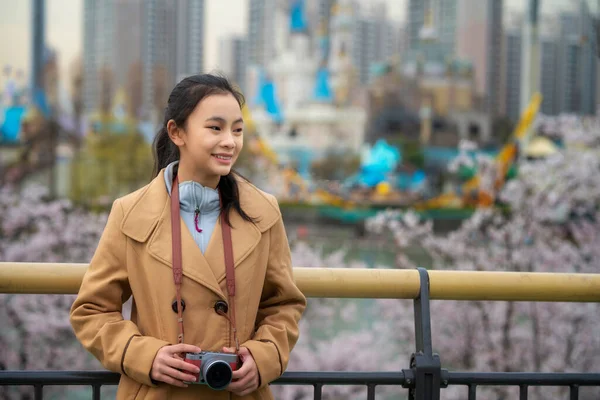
x=49 y=278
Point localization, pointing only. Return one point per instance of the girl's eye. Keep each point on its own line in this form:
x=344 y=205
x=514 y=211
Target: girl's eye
x=214 y=128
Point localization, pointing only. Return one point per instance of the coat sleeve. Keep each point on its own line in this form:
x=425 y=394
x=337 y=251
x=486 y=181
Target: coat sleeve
x=96 y=315
x=281 y=306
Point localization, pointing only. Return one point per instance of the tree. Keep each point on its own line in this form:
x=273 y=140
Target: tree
x=335 y=166
x=161 y=84
x=502 y=128
x=549 y=221
x=77 y=93
x=111 y=164
x=134 y=89
x=36 y=333
x=106 y=79
x=334 y=337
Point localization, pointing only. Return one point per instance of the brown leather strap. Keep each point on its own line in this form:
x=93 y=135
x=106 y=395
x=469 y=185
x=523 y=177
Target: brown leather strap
x=177 y=262
x=228 y=248
x=176 y=239
x=229 y=273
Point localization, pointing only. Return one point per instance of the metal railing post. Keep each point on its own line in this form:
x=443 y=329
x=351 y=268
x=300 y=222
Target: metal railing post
x=426 y=367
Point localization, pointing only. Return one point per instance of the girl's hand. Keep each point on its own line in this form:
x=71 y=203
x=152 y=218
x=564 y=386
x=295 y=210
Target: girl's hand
x=168 y=365
x=245 y=379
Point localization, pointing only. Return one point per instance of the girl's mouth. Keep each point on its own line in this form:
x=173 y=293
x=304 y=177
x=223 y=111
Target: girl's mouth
x=222 y=158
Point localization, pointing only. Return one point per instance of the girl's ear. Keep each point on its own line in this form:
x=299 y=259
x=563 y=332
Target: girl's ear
x=175 y=133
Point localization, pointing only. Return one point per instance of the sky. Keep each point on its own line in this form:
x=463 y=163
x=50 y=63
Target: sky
x=65 y=32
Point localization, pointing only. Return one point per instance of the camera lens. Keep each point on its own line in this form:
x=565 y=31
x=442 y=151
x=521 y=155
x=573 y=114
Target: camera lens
x=217 y=374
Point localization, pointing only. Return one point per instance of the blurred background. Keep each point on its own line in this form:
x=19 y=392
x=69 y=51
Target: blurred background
x=458 y=134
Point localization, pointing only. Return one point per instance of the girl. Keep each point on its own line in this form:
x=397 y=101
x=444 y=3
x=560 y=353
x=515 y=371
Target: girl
x=221 y=282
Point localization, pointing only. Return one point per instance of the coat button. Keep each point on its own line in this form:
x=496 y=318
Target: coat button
x=221 y=307
x=174 y=305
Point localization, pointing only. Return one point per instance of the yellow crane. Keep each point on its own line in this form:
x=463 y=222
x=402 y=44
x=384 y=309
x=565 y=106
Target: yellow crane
x=473 y=194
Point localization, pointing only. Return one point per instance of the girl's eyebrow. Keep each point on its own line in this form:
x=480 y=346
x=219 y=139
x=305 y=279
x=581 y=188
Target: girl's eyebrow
x=222 y=120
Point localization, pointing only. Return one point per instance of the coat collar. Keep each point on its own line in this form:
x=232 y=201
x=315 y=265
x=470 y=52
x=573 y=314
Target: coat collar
x=148 y=219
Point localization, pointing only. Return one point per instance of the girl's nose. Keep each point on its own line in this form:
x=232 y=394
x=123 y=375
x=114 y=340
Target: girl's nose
x=228 y=141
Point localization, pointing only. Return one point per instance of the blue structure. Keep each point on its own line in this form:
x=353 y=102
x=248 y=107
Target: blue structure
x=267 y=97
x=384 y=156
x=11 y=126
x=378 y=165
x=411 y=181
x=302 y=157
x=298 y=22
x=323 y=90
x=268 y=94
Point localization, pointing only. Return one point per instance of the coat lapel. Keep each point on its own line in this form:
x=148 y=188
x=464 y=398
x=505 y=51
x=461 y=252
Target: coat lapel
x=194 y=264
x=146 y=214
x=245 y=236
x=149 y=219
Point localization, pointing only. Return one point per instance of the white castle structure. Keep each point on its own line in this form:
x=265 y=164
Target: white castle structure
x=302 y=103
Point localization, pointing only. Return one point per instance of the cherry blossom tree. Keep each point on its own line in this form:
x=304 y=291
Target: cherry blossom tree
x=345 y=335
x=547 y=220
x=36 y=333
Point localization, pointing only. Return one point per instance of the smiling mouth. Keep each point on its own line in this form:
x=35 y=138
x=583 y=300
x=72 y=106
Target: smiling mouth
x=222 y=157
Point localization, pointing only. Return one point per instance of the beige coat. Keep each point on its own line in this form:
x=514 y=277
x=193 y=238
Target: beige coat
x=134 y=257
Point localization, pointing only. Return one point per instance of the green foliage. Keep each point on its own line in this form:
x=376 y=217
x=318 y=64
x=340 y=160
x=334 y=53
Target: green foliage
x=512 y=172
x=465 y=172
x=412 y=151
x=502 y=129
x=246 y=164
x=413 y=154
x=110 y=164
x=335 y=166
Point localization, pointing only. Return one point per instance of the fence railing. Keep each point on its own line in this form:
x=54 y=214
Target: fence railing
x=425 y=376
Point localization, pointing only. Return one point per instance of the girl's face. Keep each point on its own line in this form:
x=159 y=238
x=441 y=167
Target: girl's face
x=211 y=140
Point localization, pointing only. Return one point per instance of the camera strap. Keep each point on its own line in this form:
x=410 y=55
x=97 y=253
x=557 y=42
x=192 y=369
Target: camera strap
x=177 y=261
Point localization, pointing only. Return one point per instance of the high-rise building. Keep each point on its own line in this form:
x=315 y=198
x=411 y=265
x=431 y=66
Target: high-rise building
x=588 y=60
x=576 y=64
x=190 y=37
x=128 y=37
x=416 y=19
x=157 y=41
x=319 y=19
x=445 y=20
x=479 y=40
x=402 y=40
x=512 y=70
x=568 y=66
x=548 y=74
x=98 y=54
x=439 y=19
x=320 y=12
x=494 y=34
x=374 y=40
x=361 y=51
x=159 y=49
x=549 y=64
x=470 y=30
x=261 y=32
x=172 y=47
x=233 y=58
x=267 y=36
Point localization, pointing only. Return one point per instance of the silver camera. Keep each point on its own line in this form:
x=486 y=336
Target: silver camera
x=216 y=369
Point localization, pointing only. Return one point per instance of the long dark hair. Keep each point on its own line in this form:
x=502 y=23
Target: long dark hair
x=182 y=101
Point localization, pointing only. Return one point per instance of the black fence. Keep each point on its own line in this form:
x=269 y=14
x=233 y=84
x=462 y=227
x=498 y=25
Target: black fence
x=424 y=379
